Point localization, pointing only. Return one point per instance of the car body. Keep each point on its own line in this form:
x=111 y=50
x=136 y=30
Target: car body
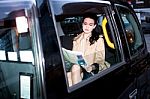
x=32 y=63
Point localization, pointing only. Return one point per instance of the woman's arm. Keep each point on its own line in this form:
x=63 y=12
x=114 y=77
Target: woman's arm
x=100 y=53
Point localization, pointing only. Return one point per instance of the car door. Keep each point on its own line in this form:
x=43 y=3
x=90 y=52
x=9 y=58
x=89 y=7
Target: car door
x=136 y=47
x=67 y=22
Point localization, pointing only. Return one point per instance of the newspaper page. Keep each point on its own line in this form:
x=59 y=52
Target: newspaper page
x=74 y=57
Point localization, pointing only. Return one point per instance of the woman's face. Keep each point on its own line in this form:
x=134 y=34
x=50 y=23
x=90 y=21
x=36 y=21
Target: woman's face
x=88 y=25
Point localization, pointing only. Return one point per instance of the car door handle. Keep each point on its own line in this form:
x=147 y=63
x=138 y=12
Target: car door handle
x=133 y=94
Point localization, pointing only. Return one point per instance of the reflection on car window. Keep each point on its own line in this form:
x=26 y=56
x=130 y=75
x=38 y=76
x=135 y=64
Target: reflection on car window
x=15 y=44
x=132 y=30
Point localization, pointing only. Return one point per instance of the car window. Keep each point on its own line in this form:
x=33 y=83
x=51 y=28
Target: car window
x=14 y=42
x=132 y=31
x=69 y=25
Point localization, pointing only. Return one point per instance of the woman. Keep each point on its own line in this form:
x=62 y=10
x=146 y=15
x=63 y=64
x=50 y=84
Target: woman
x=91 y=45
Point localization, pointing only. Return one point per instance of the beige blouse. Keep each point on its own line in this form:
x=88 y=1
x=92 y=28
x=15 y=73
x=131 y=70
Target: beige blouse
x=94 y=53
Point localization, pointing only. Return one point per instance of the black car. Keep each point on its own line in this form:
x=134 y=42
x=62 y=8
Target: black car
x=36 y=34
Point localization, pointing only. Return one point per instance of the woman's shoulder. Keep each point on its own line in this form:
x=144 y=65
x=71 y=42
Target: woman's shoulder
x=101 y=37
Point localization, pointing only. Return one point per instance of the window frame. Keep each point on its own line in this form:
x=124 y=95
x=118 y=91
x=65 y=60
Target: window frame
x=122 y=26
x=103 y=73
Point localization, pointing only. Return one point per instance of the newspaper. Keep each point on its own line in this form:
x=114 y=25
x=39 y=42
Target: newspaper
x=74 y=57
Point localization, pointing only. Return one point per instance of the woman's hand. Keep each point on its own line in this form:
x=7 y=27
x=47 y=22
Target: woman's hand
x=88 y=68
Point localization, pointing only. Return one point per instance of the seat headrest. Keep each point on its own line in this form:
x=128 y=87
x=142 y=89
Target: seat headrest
x=72 y=28
x=68 y=28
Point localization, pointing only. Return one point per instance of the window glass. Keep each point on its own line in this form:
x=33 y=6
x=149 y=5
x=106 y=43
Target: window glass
x=87 y=44
x=132 y=31
x=16 y=50
x=15 y=41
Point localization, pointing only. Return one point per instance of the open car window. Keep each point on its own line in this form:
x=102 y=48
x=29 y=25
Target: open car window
x=69 y=26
